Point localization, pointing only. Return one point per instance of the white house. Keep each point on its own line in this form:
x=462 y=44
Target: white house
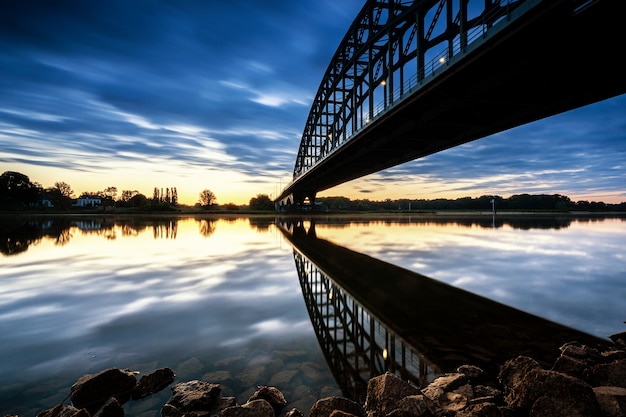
x=88 y=201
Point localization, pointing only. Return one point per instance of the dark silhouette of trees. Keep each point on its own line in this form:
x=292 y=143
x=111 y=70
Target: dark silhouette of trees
x=16 y=189
x=530 y=202
x=261 y=202
x=108 y=196
x=167 y=195
x=207 y=198
x=60 y=195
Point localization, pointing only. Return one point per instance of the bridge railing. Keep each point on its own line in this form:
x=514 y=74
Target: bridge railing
x=441 y=60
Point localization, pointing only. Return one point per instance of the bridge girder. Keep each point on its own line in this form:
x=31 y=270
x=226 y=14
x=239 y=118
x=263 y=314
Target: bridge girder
x=411 y=81
x=374 y=57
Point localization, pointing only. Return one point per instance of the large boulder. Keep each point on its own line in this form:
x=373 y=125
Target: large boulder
x=92 y=391
x=384 y=392
x=539 y=392
x=255 y=408
x=153 y=382
x=194 y=395
x=272 y=395
x=327 y=406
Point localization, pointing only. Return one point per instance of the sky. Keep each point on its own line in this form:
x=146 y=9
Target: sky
x=198 y=95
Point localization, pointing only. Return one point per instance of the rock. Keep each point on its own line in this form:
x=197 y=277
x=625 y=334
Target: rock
x=480 y=410
x=92 y=391
x=111 y=408
x=549 y=393
x=62 y=410
x=326 y=406
x=485 y=391
x=450 y=391
x=283 y=378
x=294 y=412
x=384 y=391
x=417 y=406
x=272 y=395
x=570 y=366
x=514 y=369
x=612 y=401
x=608 y=374
x=340 y=413
x=195 y=396
x=169 y=410
x=473 y=373
x=619 y=339
x=256 y=408
x=152 y=383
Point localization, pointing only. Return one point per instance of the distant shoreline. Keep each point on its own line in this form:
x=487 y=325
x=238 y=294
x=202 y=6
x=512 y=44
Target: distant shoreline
x=193 y=212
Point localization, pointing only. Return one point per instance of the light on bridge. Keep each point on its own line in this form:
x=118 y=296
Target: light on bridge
x=383 y=83
x=442 y=60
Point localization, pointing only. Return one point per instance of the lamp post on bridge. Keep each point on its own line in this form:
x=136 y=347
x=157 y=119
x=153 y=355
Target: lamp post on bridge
x=384 y=84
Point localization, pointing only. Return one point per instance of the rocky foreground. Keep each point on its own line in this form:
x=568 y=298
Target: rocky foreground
x=582 y=382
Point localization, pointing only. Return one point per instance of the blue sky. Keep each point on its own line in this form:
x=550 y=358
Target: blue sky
x=214 y=95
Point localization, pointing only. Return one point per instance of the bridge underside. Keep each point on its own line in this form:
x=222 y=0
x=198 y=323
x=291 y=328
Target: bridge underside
x=541 y=65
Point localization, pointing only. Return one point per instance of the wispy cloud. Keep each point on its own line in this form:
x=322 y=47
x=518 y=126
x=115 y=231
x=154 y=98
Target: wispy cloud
x=228 y=86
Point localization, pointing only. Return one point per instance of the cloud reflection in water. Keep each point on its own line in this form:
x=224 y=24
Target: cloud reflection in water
x=145 y=297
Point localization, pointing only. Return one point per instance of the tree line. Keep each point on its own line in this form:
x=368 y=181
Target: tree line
x=18 y=191
x=535 y=202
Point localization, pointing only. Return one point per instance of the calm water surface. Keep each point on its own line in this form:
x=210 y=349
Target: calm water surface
x=223 y=300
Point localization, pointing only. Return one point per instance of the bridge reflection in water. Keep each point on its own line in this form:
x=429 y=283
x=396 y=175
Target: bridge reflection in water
x=371 y=317
x=356 y=344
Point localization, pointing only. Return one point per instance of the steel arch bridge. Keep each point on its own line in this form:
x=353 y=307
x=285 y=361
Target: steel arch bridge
x=411 y=78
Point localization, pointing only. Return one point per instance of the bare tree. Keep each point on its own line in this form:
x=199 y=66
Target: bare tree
x=64 y=189
x=207 y=198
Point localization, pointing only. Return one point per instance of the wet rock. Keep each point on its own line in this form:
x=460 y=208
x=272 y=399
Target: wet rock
x=111 y=408
x=195 y=396
x=514 y=370
x=152 y=383
x=326 y=406
x=92 y=391
x=482 y=392
x=252 y=376
x=480 y=410
x=272 y=395
x=256 y=408
x=169 y=410
x=549 y=393
x=294 y=412
x=189 y=368
x=473 y=373
x=283 y=378
x=417 y=406
x=384 y=391
x=619 y=339
x=608 y=374
x=450 y=391
x=63 y=410
x=612 y=401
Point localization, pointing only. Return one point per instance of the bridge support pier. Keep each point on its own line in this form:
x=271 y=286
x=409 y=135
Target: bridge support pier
x=297 y=202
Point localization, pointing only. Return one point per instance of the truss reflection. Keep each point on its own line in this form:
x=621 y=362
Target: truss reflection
x=357 y=345
x=371 y=316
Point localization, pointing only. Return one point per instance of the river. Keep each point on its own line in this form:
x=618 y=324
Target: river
x=247 y=301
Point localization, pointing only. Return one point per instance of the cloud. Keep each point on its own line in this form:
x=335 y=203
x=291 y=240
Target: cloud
x=86 y=84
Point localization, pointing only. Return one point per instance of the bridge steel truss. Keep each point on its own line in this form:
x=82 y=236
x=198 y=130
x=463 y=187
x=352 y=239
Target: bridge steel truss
x=390 y=48
x=356 y=344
